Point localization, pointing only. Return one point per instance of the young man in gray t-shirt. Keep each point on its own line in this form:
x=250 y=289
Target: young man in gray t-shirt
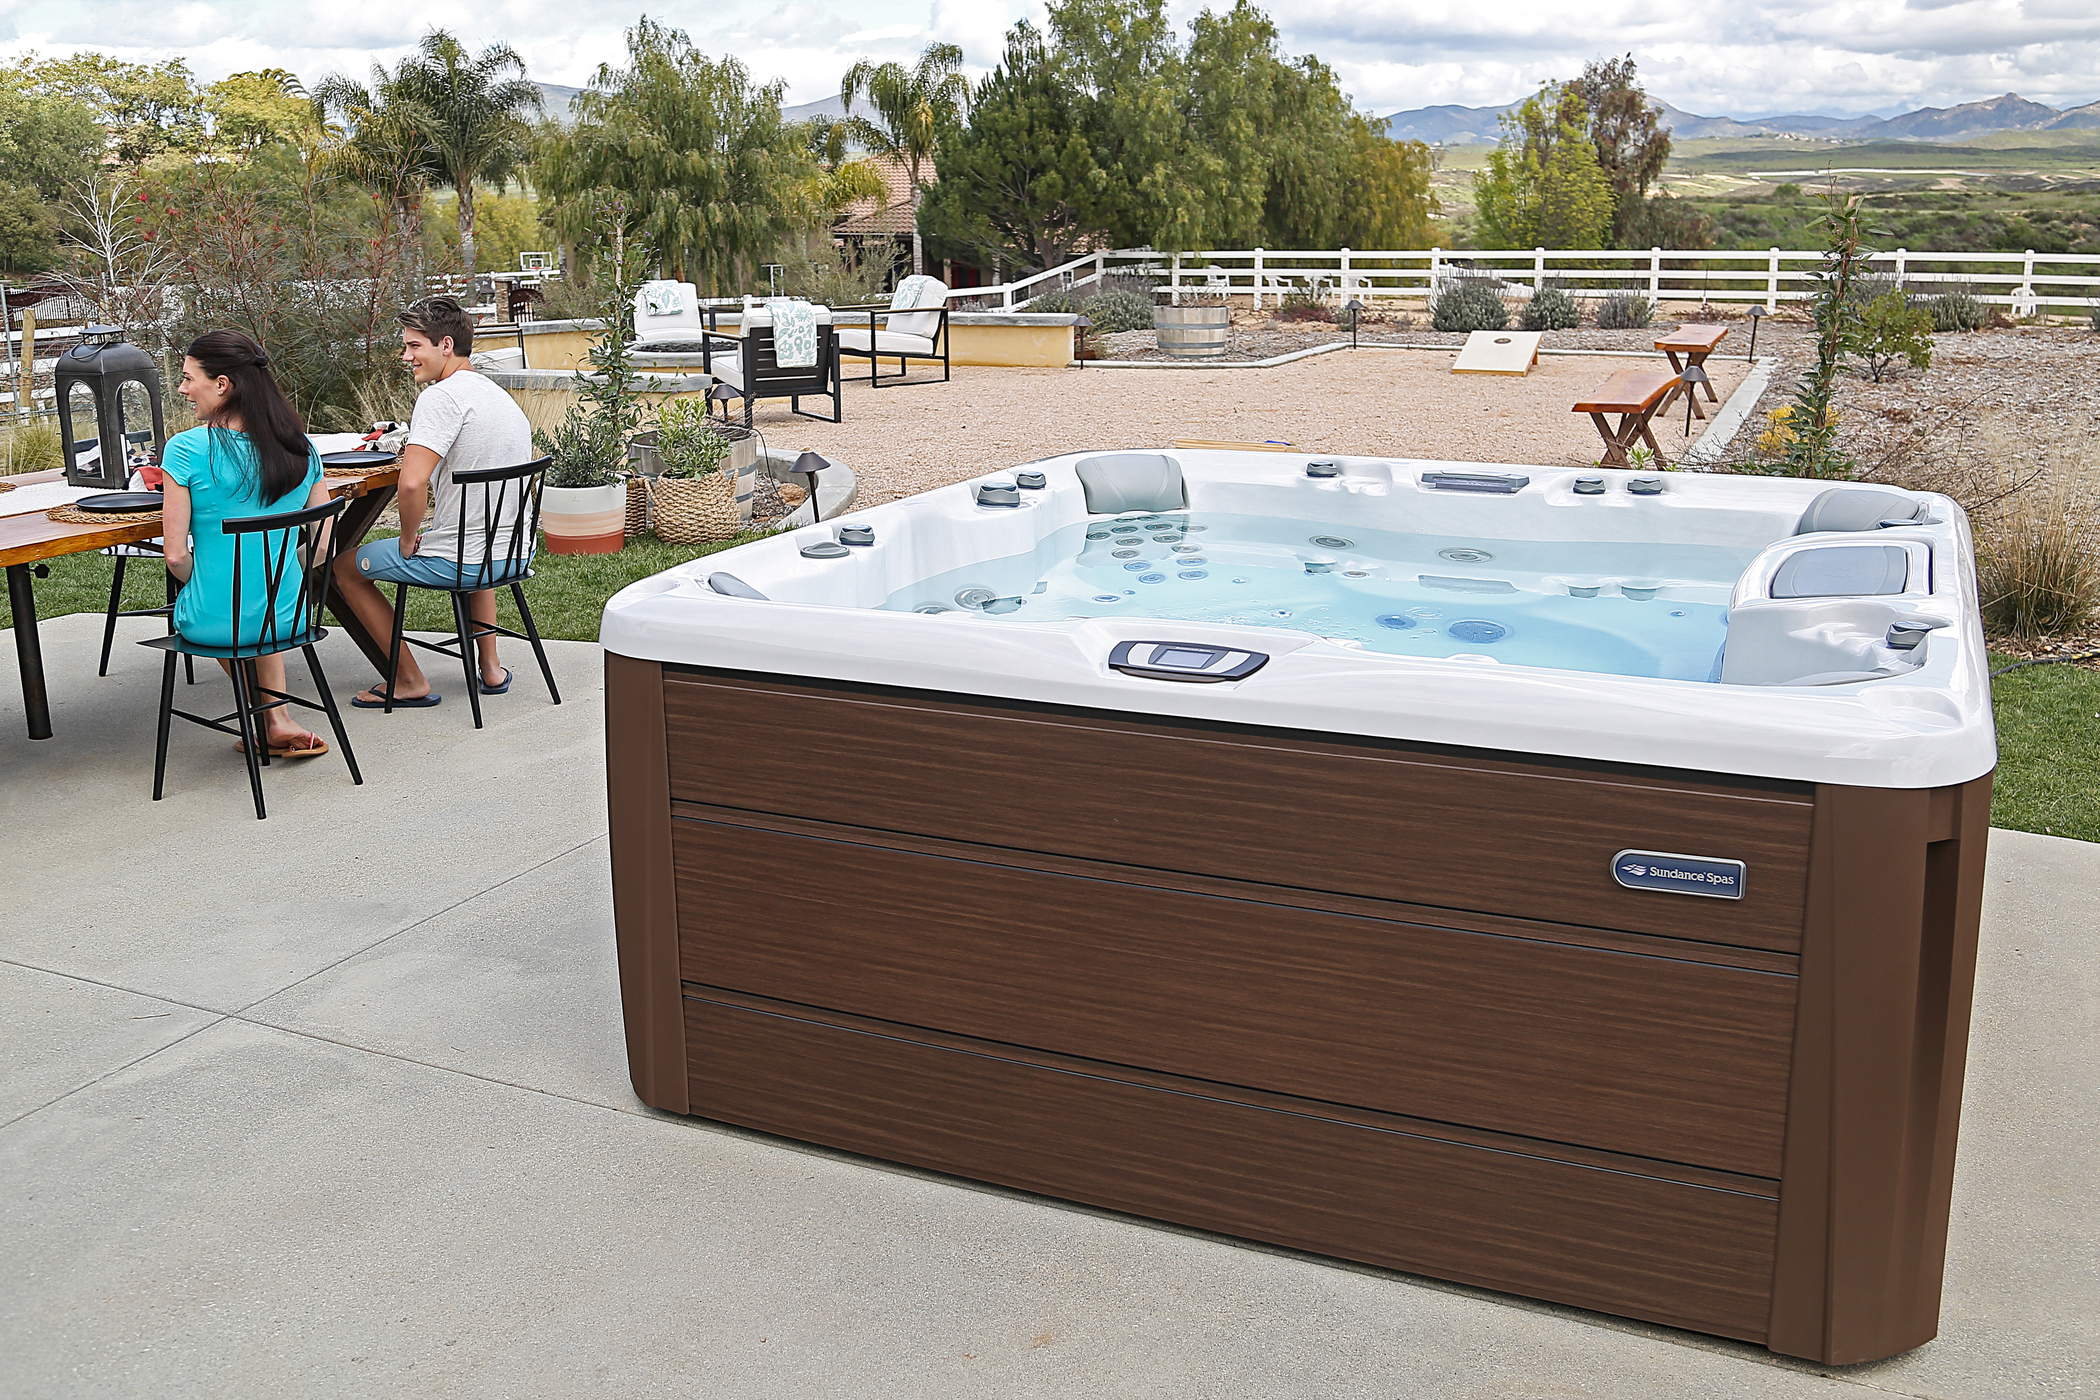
x=462 y=422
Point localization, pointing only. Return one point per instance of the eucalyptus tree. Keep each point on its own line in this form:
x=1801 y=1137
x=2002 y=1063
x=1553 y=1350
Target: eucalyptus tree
x=916 y=108
x=709 y=173
x=471 y=110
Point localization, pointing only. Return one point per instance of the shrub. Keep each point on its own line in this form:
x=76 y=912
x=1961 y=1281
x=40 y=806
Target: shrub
x=1062 y=302
x=1552 y=309
x=1955 y=308
x=1889 y=329
x=1469 y=304
x=31 y=445
x=1120 y=311
x=2038 y=567
x=687 y=441
x=1624 y=311
x=1302 y=303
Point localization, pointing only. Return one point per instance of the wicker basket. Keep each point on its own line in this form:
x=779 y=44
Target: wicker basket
x=638 y=522
x=698 y=510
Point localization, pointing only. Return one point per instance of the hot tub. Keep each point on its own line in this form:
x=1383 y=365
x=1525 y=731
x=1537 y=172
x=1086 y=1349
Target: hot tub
x=1562 y=882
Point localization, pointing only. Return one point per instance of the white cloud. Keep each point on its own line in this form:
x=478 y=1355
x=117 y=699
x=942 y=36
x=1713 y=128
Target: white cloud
x=1763 y=56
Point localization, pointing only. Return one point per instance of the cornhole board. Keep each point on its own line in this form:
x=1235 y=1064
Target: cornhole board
x=1499 y=352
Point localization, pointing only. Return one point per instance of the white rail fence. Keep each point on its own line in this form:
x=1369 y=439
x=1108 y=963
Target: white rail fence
x=2025 y=283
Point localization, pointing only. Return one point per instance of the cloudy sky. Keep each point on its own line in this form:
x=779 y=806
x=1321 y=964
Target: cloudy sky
x=1750 y=57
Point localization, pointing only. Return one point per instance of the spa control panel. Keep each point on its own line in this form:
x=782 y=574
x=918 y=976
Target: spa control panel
x=1184 y=661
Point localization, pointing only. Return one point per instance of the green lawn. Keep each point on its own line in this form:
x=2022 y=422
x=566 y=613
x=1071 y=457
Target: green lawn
x=2048 y=750
x=2048 y=716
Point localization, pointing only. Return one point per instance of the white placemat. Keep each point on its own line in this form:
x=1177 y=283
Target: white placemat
x=44 y=495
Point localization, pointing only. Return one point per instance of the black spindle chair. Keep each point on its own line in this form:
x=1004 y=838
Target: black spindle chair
x=506 y=560
x=297 y=549
x=123 y=554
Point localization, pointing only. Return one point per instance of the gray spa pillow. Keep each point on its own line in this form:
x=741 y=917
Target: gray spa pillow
x=1858 y=508
x=1120 y=481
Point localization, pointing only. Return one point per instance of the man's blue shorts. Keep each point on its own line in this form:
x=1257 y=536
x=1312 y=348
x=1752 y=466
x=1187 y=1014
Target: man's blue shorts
x=381 y=562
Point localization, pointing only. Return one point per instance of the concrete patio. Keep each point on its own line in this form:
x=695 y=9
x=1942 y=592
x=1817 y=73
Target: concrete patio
x=336 y=1104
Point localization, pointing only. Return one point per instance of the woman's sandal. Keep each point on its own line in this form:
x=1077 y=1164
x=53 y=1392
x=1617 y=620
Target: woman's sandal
x=487 y=689
x=421 y=702
x=295 y=749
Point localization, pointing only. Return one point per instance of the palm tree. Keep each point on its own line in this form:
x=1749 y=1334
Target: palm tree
x=375 y=137
x=917 y=106
x=472 y=117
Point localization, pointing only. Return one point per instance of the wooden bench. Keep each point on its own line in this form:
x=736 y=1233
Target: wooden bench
x=1695 y=342
x=1635 y=395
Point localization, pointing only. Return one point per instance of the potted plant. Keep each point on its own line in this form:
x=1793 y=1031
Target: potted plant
x=695 y=492
x=583 y=508
x=1199 y=328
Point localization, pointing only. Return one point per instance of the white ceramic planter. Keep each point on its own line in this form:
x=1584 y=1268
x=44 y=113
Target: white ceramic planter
x=584 y=519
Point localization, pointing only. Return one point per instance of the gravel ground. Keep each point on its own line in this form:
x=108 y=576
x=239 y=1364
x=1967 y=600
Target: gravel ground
x=1401 y=403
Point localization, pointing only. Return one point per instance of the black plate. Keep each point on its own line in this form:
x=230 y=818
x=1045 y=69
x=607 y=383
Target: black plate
x=118 y=501
x=359 y=459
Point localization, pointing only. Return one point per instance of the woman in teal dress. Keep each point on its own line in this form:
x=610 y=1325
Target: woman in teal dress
x=250 y=457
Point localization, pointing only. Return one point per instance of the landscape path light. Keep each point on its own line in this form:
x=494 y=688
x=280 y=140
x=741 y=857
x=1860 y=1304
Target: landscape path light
x=1757 y=316
x=1355 y=309
x=809 y=464
x=722 y=393
x=1080 y=326
x=1689 y=384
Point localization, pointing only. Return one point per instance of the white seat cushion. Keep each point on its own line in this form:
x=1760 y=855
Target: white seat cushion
x=728 y=368
x=677 y=307
x=886 y=342
x=506 y=357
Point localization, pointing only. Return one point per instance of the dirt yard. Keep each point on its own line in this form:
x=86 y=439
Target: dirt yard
x=1398 y=403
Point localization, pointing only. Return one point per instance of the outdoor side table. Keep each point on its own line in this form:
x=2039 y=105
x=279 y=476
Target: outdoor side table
x=1695 y=343
x=1636 y=395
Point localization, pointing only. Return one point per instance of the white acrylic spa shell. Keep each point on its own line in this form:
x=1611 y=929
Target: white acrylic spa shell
x=1924 y=721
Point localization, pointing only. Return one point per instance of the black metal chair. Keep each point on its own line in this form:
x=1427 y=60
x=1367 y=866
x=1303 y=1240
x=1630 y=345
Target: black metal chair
x=123 y=554
x=884 y=339
x=506 y=559
x=298 y=547
x=752 y=369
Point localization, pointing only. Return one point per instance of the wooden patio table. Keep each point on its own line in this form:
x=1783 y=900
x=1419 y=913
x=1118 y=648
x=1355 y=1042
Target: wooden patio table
x=28 y=540
x=1635 y=395
x=1694 y=342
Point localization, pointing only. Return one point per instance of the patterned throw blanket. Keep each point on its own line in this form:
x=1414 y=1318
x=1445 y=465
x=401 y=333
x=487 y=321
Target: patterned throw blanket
x=794 y=332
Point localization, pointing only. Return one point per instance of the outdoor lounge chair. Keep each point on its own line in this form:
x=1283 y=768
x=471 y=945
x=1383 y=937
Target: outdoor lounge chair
x=914 y=326
x=667 y=311
x=748 y=364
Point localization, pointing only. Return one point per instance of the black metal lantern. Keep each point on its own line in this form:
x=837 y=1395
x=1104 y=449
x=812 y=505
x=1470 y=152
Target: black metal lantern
x=109 y=408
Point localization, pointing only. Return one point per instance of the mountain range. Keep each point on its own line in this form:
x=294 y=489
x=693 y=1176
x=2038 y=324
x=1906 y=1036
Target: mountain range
x=1457 y=126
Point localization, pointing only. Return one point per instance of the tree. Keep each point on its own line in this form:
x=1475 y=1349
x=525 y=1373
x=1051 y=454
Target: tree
x=377 y=140
x=148 y=110
x=919 y=107
x=48 y=141
x=1626 y=129
x=1130 y=77
x=1385 y=200
x=710 y=175
x=28 y=231
x=471 y=117
x=1543 y=186
x=250 y=110
x=1020 y=180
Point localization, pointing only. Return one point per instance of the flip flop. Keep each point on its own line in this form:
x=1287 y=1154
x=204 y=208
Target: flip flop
x=320 y=747
x=421 y=702
x=503 y=689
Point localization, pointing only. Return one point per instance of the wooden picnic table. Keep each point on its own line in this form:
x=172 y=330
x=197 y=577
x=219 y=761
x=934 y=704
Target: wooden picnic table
x=1695 y=342
x=28 y=540
x=1635 y=395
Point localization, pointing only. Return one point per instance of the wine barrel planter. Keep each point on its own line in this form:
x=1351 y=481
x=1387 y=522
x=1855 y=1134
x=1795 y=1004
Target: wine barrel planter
x=1192 y=332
